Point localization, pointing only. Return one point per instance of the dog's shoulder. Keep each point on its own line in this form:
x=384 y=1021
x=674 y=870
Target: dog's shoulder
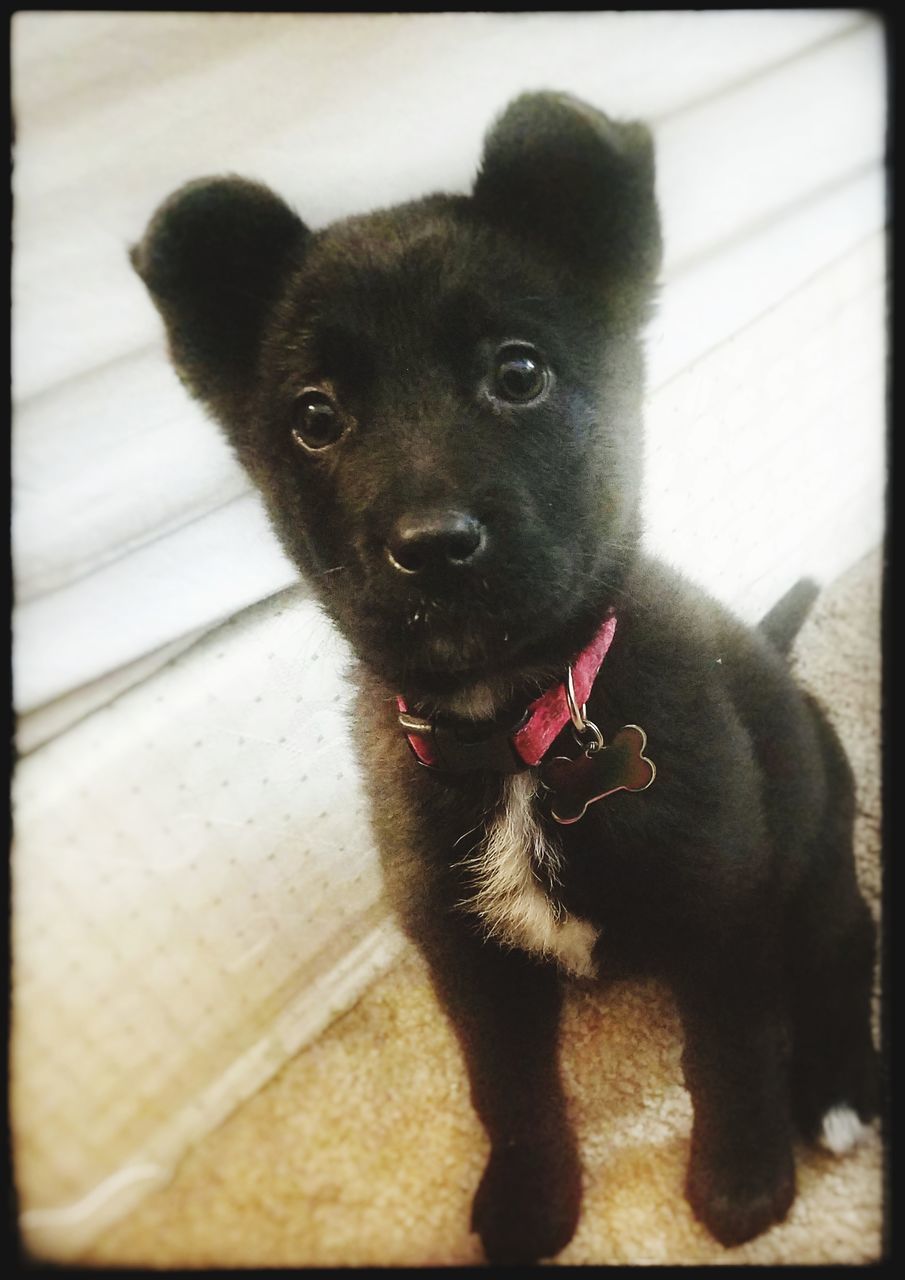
x=676 y=637
x=728 y=726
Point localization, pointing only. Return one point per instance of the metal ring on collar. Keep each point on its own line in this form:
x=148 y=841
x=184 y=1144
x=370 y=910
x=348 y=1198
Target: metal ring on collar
x=586 y=733
x=578 y=720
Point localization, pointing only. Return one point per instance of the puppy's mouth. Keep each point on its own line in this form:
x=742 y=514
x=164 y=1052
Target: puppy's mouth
x=447 y=653
x=444 y=649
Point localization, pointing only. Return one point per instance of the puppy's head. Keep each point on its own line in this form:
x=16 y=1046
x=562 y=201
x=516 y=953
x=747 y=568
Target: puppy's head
x=440 y=402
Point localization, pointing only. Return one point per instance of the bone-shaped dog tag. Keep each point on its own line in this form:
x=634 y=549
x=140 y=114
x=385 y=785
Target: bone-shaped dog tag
x=621 y=766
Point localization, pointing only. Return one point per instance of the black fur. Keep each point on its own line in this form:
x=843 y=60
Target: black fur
x=732 y=877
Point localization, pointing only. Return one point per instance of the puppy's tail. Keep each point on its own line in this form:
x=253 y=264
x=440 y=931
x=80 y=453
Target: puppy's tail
x=783 y=622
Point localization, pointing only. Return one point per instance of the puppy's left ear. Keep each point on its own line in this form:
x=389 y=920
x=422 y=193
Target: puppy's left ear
x=567 y=177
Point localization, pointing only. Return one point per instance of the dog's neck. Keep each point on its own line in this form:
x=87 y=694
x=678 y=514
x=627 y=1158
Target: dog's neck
x=525 y=739
x=502 y=696
x=491 y=699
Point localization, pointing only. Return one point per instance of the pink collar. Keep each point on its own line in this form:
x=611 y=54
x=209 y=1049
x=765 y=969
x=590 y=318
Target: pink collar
x=509 y=750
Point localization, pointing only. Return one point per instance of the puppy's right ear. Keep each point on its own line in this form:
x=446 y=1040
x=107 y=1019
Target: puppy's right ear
x=215 y=257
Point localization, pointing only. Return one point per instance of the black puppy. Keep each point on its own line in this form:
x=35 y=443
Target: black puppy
x=578 y=764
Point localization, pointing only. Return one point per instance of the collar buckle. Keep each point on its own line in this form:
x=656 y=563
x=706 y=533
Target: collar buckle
x=455 y=749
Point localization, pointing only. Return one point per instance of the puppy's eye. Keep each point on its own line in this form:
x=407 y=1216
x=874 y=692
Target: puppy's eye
x=318 y=422
x=520 y=375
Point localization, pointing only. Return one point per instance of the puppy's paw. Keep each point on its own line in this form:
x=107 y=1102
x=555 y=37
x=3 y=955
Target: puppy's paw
x=841 y=1130
x=740 y=1200
x=834 y=1104
x=528 y=1202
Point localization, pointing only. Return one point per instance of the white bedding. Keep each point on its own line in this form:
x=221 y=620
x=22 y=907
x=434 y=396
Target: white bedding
x=182 y=925
x=196 y=896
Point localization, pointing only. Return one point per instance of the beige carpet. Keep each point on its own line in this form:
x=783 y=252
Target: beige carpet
x=364 y=1149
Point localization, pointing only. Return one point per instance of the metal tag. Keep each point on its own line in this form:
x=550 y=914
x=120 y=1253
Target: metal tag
x=621 y=766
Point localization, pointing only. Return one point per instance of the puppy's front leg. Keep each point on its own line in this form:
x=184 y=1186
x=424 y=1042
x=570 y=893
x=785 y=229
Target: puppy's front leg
x=741 y=1176
x=505 y=1008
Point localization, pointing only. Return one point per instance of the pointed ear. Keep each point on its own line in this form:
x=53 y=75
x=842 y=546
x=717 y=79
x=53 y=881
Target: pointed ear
x=214 y=258
x=567 y=177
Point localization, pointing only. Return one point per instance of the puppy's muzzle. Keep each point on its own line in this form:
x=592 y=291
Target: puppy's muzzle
x=435 y=542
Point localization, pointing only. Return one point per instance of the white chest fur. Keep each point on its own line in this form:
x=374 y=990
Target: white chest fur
x=510 y=896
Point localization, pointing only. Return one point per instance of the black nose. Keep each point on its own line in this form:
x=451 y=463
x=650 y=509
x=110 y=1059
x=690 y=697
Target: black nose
x=435 y=541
